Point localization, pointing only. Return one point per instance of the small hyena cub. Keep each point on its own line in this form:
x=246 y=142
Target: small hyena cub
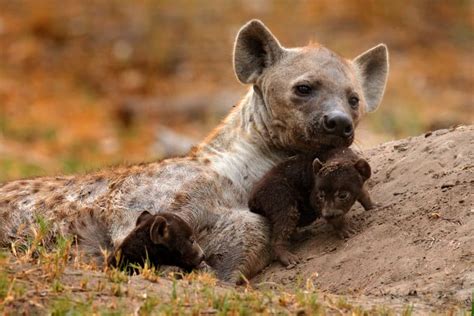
x=162 y=239
x=299 y=190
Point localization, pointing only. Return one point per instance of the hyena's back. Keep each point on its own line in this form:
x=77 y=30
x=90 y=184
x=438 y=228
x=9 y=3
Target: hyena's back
x=56 y=199
x=106 y=204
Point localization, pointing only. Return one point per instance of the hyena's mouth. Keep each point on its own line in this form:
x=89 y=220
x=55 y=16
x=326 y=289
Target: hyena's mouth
x=317 y=137
x=337 y=141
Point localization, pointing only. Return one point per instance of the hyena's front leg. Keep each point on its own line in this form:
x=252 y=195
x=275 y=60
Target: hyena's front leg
x=238 y=245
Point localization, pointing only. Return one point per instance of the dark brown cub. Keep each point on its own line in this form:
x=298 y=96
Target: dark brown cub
x=299 y=190
x=338 y=184
x=162 y=239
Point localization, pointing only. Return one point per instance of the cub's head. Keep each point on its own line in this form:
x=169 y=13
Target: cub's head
x=337 y=185
x=310 y=96
x=163 y=239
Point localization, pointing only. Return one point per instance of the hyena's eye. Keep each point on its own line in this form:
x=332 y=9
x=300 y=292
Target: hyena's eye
x=354 y=102
x=303 y=90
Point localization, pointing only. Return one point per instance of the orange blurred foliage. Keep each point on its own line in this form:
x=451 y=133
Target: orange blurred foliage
x=87 y=83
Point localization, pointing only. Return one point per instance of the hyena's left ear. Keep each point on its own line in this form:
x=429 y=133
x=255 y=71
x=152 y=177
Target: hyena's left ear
x=372 y=70
x=255 y=49
x=364 y=168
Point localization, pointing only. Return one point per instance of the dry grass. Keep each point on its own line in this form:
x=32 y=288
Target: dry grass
x=46 y=275
x=42 y=276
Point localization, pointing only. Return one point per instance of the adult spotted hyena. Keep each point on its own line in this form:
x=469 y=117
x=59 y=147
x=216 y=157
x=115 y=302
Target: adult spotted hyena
x=301 y=100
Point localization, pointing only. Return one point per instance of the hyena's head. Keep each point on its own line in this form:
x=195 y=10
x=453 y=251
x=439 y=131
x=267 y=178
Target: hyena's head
x=310 y=96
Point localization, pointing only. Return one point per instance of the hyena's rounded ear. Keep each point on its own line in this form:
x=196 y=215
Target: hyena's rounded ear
x=317 y=165
x=159 y=230
x=372 y=71
x=145 y=215
x=255 y=49
x=363 y=167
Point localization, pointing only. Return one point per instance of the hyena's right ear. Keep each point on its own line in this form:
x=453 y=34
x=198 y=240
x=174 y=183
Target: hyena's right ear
x=255 y=49
x=159 y=230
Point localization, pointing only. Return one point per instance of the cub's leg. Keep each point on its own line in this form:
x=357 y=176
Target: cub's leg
x=284 y=225
x=365 y=200
x=278 y=202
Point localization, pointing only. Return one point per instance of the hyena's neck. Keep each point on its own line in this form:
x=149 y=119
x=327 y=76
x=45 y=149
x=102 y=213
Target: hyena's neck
x=241 y=148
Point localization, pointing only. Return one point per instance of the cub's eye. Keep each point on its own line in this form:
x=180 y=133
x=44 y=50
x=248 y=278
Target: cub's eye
x=303 y=90
x=192 y=241
x=343 y=195
x=354 y=102
x=321 y=195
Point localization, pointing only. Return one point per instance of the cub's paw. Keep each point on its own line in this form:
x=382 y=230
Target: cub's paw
x=204 y=267
x=286 y=257
x=345 y=232
x=303 y=235
x=376 y=205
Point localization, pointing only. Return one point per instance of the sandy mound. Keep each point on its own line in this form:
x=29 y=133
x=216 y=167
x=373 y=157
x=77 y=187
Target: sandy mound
x=419 y=245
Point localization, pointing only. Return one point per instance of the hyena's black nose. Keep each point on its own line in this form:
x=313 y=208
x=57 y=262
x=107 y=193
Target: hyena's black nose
x=338 y=123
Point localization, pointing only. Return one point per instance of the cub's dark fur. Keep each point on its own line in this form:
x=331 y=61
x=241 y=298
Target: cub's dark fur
x=163 y=239
x=298 y=191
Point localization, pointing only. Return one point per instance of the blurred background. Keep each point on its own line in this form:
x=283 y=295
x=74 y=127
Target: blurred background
x=85 y=84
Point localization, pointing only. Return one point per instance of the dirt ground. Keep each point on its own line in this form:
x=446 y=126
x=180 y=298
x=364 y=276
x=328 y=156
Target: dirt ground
x=418 y=246
x=413 y=254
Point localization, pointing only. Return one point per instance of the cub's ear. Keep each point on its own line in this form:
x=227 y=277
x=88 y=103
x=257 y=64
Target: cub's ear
x=317 y=165
x=363 y=167
x=159 y=230
x=145 y=215
x=255 y=49
x=372 y=70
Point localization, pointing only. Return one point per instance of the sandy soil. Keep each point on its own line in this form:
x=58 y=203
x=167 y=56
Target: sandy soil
x=418 y=246
x=416 y=249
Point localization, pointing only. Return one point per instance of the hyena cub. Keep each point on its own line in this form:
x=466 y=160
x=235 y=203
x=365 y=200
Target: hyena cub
x=299 y=190
x=162 y=239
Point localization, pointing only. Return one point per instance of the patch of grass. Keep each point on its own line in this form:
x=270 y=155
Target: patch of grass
x=28 y=133
x=396 y=121
x=408 y=311
x=57 y=286
x=4 y=285
x=148 y=305
x=116 y=276
x=67 y=306
x=10 y=168
x=71 y=165
x=117 y=290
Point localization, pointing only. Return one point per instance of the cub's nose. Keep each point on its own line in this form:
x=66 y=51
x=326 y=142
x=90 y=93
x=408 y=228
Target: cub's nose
x=338 y=123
